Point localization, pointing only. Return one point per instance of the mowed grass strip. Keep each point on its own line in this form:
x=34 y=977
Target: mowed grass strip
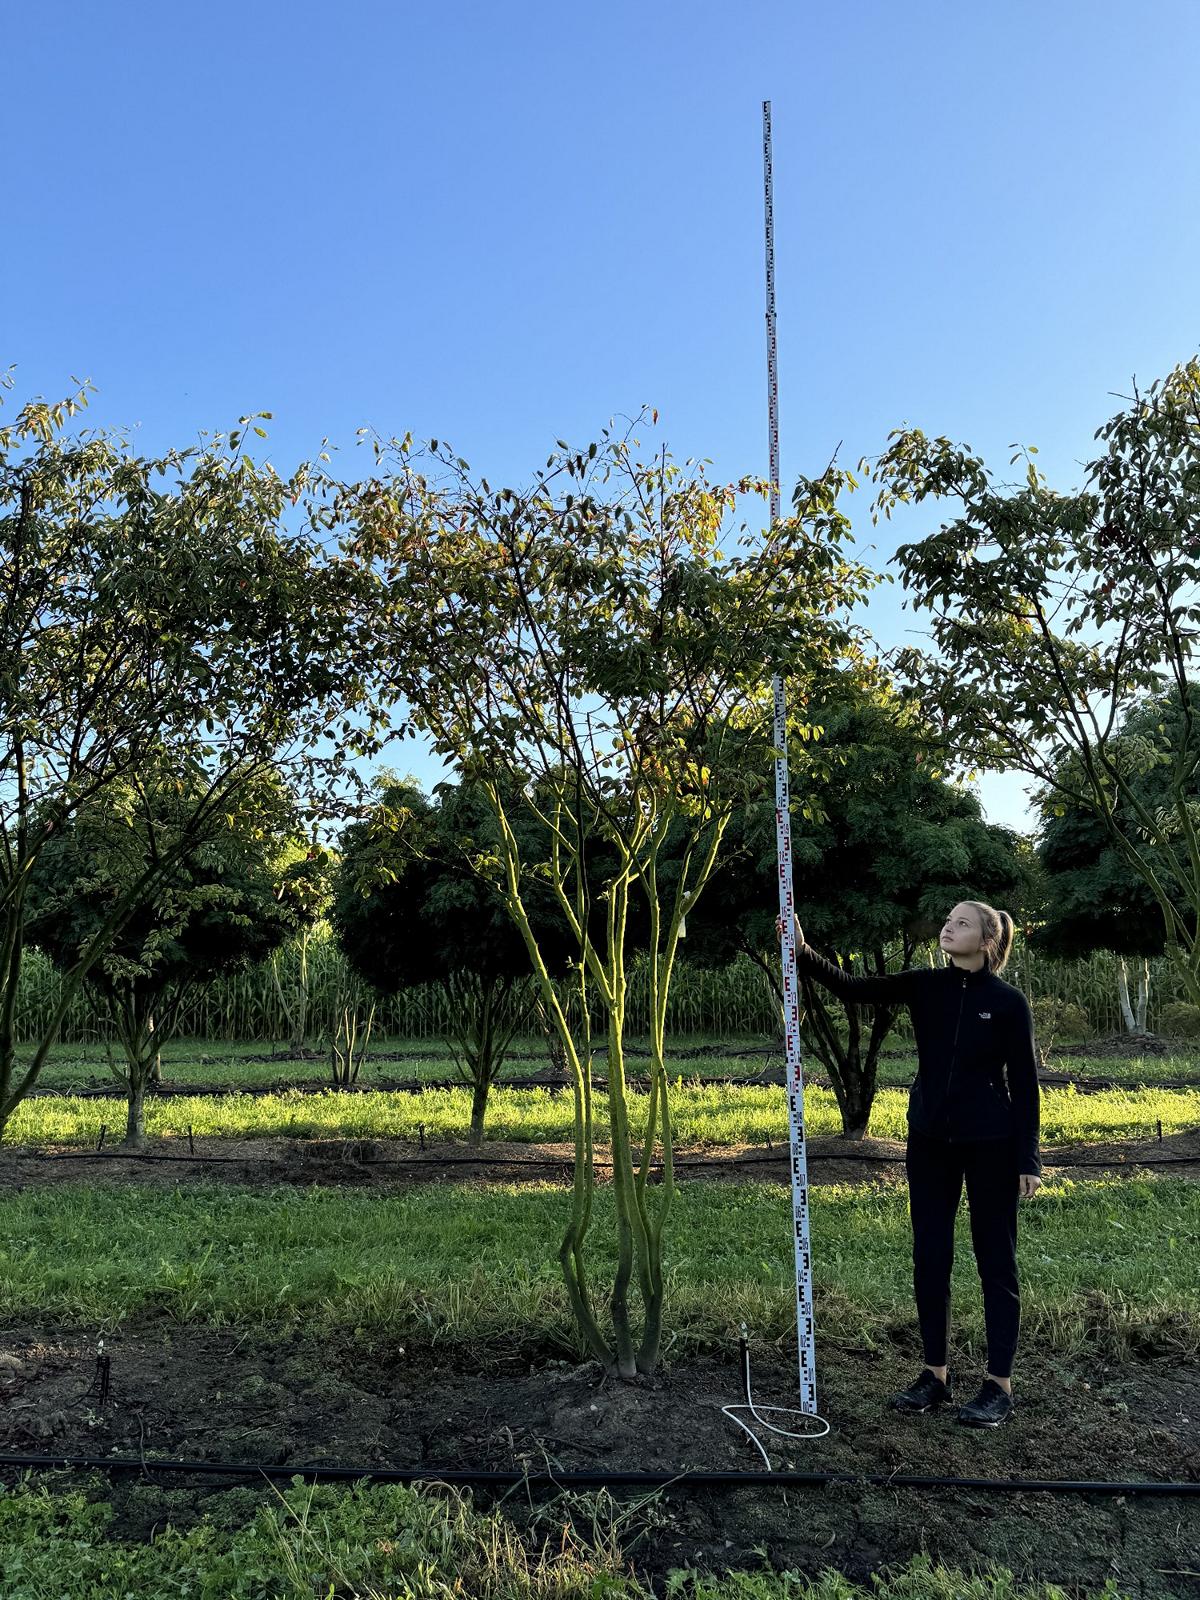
x=705 y=1116
x=229 y=1063
x=1105 y=1263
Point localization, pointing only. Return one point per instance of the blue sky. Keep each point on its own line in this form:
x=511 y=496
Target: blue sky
x=503 y=224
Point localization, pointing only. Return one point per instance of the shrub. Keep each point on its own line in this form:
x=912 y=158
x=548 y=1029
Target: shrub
x=1180 y=1020
x=1054 y=1018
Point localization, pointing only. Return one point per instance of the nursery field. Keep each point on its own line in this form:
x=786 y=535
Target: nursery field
x=225 y=1065
x=294 y=1306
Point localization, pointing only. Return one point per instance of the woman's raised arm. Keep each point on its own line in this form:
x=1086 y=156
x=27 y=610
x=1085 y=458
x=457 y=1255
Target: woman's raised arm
x=886 y=988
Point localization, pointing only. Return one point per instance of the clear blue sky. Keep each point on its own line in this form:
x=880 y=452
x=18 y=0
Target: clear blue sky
x=499 y=224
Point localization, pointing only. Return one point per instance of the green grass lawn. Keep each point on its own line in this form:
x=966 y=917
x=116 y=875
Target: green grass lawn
x=704 y=1116
x=1103 y=1261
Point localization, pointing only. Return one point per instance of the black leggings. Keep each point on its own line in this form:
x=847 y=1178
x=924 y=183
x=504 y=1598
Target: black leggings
x=936 y=1170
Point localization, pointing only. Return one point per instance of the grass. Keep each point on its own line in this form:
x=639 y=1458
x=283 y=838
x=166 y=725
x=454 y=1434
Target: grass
x=459 y=1263
x=388 y=1542
x=228 y=1063
x=704 y=1117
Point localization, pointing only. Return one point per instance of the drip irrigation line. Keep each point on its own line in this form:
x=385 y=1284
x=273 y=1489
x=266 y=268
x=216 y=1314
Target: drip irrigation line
x=599 y=1477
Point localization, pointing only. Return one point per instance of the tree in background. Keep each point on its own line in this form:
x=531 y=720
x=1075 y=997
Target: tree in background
x=154 y=615
x=1095 y=900
x=213 y=912
x=882 y=846
x=1054 y=614
x=304 y=889
x=409 y=907
x=587 y=646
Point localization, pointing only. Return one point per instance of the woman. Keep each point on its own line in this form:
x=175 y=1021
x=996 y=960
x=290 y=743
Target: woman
x=973 y=1116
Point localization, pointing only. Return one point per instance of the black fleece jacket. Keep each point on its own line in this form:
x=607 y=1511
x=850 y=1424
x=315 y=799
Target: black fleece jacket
x=976 y=1065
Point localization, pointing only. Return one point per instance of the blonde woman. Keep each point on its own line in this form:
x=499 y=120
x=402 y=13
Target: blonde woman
x=973 y=1119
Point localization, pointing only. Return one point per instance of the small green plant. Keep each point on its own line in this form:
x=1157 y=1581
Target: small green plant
x=1055 y=1018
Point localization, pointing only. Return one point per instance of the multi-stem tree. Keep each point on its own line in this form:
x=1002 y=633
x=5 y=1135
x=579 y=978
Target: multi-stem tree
x=600 y=645
x=1054 y=614
x=159 y=614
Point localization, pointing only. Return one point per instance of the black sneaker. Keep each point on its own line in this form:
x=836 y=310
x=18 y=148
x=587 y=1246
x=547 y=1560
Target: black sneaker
x=927 y=1392
x=990 y=1407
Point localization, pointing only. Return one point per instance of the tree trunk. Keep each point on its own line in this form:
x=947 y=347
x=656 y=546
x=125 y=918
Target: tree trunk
x=853 y=1076
x=1143 y=998
x=1123 y=995
x=156 y=1059
x=135 y=1123
x=479 y=1100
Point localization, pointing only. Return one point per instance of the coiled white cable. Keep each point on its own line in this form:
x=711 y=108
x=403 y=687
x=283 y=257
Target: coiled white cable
x=757 y=1411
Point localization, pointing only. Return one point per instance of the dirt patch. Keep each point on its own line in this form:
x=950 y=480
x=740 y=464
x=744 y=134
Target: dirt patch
x=240 y=1395
x=1127 y=1044
x=386 y=1163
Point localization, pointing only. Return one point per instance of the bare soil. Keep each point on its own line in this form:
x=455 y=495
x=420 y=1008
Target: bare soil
x=387 y=1163
x=245 y=1395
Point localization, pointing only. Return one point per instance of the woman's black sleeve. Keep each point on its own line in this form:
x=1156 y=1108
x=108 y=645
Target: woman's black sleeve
x=886 y=988
x=1023 y=1087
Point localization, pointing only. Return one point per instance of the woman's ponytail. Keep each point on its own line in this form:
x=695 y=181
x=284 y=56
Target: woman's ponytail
x=997 y=929
x=1003 y=943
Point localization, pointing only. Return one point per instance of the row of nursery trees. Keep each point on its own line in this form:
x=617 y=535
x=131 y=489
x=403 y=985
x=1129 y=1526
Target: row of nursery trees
x=895 y=843
x=198 y=656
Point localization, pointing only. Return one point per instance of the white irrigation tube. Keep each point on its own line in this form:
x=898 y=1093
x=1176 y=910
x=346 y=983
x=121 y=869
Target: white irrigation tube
x=805 y=1346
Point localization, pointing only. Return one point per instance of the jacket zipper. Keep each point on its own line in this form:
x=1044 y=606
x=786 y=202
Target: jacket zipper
x=954 y=1052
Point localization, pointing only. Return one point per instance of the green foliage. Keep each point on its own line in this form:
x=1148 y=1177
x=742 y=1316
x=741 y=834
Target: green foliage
x=1095 y=897
x=1054 y=615
x=158 y=617
x=589 y=652
x=215 y=909
x=411 y=906
x=1180 y=1020
x=1058 y=1019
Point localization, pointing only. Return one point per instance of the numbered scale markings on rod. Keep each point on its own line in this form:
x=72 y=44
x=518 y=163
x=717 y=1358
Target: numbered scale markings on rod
x=783 y=838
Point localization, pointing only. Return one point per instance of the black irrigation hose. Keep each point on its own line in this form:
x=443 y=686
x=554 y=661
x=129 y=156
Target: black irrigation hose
x=600 y=1478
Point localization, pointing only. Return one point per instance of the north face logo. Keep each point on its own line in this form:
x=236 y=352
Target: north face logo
x=986 y=1015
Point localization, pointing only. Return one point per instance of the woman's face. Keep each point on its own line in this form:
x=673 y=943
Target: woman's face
x=962 y=932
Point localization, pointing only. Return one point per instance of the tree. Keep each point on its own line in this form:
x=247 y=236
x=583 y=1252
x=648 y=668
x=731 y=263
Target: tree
x=304 y=890
x=586 y=645
x=1055 y=613
x=882 y=847
x=1095 y=900
x=156 y=614
x=213 y=912
x=410 y=908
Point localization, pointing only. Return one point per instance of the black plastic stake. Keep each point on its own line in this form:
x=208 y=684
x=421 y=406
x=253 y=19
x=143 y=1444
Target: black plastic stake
x=191 y=1141
x=421 y=1133
x=1160 y=1130
x=103 y=1133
